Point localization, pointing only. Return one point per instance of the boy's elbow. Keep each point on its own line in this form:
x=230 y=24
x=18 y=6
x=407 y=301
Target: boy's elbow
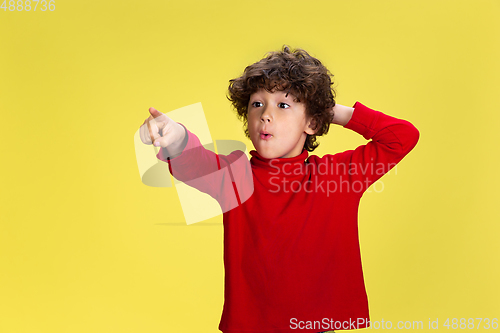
x=415 y=134
x=410 y=138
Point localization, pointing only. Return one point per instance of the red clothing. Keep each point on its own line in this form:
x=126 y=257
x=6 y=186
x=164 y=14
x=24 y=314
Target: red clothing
x=291 y=251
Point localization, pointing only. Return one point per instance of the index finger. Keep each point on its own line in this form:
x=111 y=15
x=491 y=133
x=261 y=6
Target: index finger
x=154 y=113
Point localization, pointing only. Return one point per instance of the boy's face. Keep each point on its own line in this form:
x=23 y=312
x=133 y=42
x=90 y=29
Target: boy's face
x=277 y=125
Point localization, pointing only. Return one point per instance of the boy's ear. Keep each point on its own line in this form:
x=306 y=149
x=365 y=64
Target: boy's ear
x=310 y=127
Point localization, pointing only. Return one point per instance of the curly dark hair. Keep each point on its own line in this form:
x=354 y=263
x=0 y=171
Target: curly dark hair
x=295 y=71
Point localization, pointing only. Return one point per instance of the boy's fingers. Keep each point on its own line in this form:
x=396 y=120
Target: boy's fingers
x=161 y=119
x=153 y=128
x=163 y=141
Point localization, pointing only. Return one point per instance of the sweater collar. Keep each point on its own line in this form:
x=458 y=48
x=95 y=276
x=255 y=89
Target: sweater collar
x=278 y=163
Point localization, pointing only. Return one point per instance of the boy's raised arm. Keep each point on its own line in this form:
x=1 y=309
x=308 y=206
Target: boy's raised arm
x=391 y=140
x=227 y=178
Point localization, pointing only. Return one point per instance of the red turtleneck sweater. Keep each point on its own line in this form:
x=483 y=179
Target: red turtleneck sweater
x=291 y=249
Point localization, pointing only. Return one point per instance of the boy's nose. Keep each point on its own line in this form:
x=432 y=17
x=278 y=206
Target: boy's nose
x=266 y=115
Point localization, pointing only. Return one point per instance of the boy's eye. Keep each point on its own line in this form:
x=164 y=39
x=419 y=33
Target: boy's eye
x=280 y=105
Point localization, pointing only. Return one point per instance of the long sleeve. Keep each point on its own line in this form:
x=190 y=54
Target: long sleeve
x=391 y=140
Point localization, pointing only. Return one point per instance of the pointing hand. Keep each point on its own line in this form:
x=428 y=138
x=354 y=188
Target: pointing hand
x=162 y=131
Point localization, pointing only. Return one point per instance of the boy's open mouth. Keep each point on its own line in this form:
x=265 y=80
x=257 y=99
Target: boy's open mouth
x=265 y=135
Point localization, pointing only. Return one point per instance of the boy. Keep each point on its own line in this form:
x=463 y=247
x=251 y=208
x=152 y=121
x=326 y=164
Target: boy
x=291 y=249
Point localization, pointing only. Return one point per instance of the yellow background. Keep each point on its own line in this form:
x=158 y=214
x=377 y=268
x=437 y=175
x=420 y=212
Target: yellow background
x=86 y=247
